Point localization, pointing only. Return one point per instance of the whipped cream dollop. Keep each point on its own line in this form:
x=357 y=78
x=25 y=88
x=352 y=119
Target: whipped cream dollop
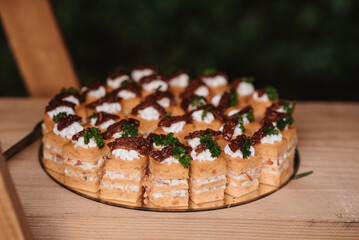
x=203 y=156
x=149 y=113
x=175 y=127
x=216 y=99
x=179 y=81
x=137 y=74
x=215 y=81
x=238 y=153
x=69 y=131
x=109 y=108
x=245 y=88
x=154 y=85
x=237 y=130
x=202 y=91
x=104 y=125
x=263 y=98
x=164 y=102
x=125 y=94
x=169 y=160
x=272 y=138
x=71 y=99
x=81 y=143
x=116 y=82
x=96 y=93
x=126 y=154
x=194 y=142
x=60 y=109
x=197 y=115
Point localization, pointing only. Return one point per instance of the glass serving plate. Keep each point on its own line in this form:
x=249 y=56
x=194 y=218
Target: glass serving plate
x=229 y=201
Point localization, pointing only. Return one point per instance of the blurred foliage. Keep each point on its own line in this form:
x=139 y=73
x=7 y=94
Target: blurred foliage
x=307 y=49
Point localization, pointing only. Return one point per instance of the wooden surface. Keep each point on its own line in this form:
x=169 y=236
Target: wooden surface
x=13 y=223
x=324 y=205
x=37 y=45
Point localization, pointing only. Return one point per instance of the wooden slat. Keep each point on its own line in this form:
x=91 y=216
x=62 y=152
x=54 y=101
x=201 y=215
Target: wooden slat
x=324 y=205
x=37 y=45
x=13 y=224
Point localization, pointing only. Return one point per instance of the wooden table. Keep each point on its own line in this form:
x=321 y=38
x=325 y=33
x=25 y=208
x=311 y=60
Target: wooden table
x=323 y=205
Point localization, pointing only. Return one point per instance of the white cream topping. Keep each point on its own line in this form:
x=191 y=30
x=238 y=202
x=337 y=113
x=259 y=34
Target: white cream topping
x=60 y=109
x=203 y=156
x=237 y=130
x=263 y=98
x=134 y=188
x=216 y=99
x=176 y=193
x=149 y=113
x=117 y=135
x=202 y=181
x=245 y=88
x=281 y=110
x=270 y=139
x=137 y=74
x=179 y=81
x=69 y=131
x=209 y=189
x=71 y=99
x=104 y=125
x=197 y=115
x=97 y=93
x=164 y=102
x=125 y=94
x=238 y=153
x=84 y=177
x=215 y=81
x=235 y=111
x=157 y=146
x=109 y=108
x=126 y=154
x=116 y=82
x=170 y=182
x=81 y=143
x=52 y=157
x=194 y=142
x=154 y=85
x=122 y=175
x=175 y=127
x=169 y=160
x=202 y=91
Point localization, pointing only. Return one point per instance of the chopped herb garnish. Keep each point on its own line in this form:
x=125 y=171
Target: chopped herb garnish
x=233 y=101
x=129 y=130
x=125 y=81
x=169 y=114
x=250 y=115
x=272 y=93
x=240 y=123
x=94 y=115
x=204 y=112
x=165 y=141
x=302 y=175
x=288 y=120
x=271 y=131
x=247 y=79
x=198 y=101
x=71 y=90
x=58 y=116
x=181 y=155
x=211 y=145
x=209 y=71
x=289 y=109
x=94 y=133
x=246 y=147
x=158 y=88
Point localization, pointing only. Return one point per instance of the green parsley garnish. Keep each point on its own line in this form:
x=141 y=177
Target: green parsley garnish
x=233 y=101
x=129 y=130
x=289 y=109
x=272 y=93
x=124 y=82
x=247 y=79
x=158 y=88
x=211 y=145
x=165 y=141
x=288 y=120
x=169 y=114
x=271 y=131
x=204 y=112
x=94 y=133
x=94 y=115
x=302 y=175
x=198 y=101
x=245 y=148
x=250 y=115
x=70 y=89
x=209 y=71
x=240 y=123
x=181 y=155
x=57 y=117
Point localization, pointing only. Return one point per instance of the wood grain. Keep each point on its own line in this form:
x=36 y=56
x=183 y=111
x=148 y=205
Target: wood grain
x=37 y=45
x=324 y=205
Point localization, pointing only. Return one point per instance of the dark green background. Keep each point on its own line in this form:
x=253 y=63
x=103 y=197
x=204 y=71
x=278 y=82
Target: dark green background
x=309 y=50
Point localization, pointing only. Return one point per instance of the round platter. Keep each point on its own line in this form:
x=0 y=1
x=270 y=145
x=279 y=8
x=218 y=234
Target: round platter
x=229 y=201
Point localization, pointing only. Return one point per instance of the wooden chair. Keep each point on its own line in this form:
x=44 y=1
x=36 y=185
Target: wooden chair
x=37 y=46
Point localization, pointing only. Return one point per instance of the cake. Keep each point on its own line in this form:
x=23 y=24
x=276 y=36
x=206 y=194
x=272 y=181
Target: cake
x=169 y=141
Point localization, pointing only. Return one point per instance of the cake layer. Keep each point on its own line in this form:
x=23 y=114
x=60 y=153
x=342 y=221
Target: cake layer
x=203 y=169
x=90 y=155
x=271 y=151
x=207 y=194
x=81 y=181
x=122 y=178
x=129 y=167
x=208 y=182
x=169 y=168
x=129 y=193
x=238 y=190
x=240 y=165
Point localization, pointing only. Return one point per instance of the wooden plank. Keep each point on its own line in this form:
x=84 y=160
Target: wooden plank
x=13 y=223
x=324 y=205
x=37 y=45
